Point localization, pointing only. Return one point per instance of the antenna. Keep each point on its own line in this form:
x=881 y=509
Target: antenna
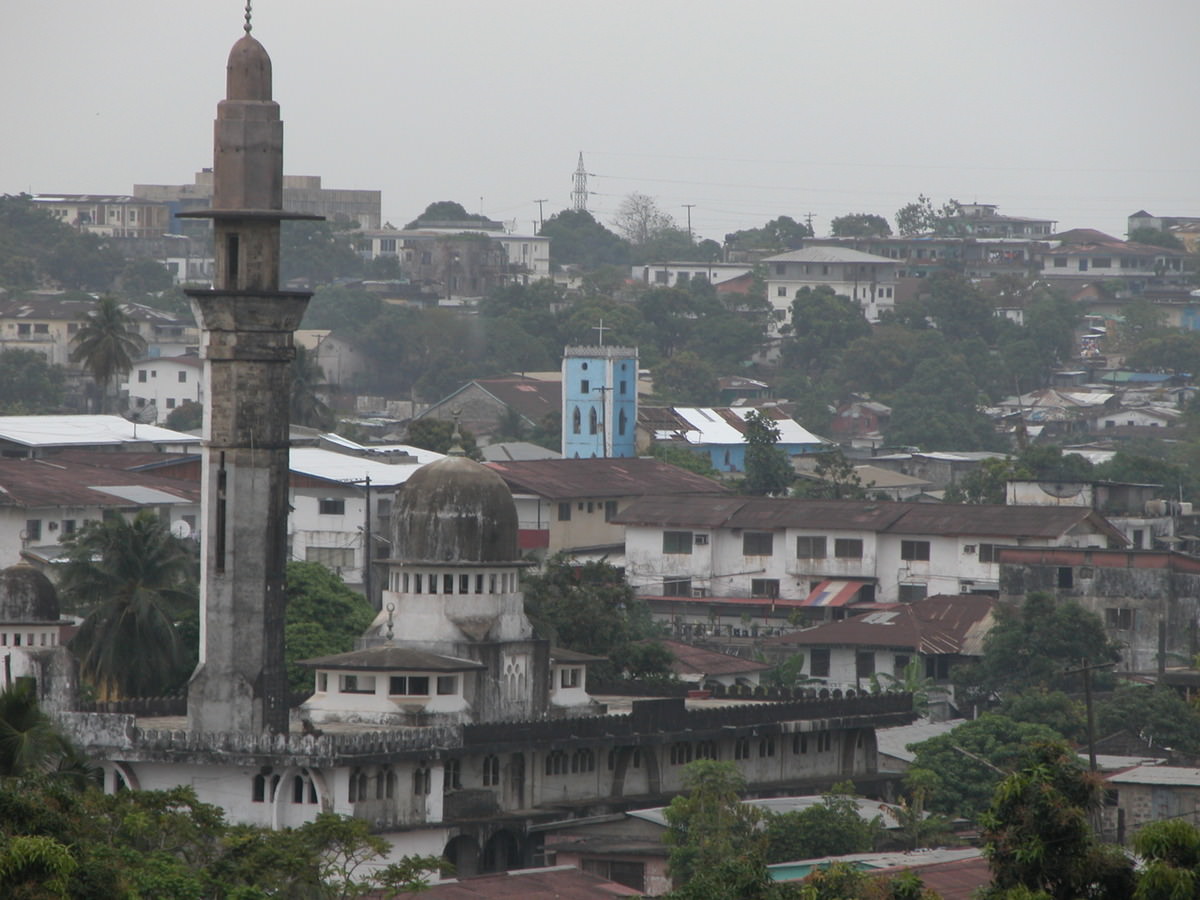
x=580 y=193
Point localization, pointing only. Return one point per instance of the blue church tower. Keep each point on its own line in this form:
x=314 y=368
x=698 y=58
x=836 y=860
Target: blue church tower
x=599 y=391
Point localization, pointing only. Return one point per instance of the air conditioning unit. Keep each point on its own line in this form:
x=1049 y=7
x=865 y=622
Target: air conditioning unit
x=968 y=548
x=701 y=540
x=699 y=592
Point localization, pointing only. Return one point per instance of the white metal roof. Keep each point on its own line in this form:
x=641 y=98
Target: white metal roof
x=83 y=431
x=709 y=427
x=894 y=742
x=1178 y=776
x=334 y=466
x=143 y=496
x=829 y=255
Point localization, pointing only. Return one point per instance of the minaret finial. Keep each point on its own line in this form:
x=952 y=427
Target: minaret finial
x=247 y=25
x=456 y=447
x=391 y=633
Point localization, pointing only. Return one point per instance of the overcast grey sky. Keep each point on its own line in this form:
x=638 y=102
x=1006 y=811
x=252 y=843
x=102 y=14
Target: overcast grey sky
x=1081 y=111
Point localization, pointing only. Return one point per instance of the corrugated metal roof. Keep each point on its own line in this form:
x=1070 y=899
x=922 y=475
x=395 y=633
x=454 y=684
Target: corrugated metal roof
x=344 y=467
x=626 y=477
x=82 y=431
x=40 y=483
x=1177 y=776
x=691 y=660
x=828 y=255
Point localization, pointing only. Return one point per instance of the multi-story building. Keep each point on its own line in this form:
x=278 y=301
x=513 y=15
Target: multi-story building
x=1092 y=255
x=868 y=280
x=829 y=553
x=466 y=260
x=600 y=404
x=108 y=215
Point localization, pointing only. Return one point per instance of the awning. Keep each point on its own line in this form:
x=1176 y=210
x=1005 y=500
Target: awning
x=833 y=593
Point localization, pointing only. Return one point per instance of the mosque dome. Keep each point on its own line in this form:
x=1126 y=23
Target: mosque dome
x=248 y=72
x=27 y=596
x=455 y=510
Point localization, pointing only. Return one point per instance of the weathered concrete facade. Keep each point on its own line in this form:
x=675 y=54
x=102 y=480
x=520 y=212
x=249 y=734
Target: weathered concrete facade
x=1148 y=599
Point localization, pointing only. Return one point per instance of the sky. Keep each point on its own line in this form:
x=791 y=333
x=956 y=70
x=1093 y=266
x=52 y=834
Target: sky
x=1081 y=111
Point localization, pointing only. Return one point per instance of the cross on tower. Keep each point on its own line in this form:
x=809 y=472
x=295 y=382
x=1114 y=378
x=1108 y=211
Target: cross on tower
x=600 y=328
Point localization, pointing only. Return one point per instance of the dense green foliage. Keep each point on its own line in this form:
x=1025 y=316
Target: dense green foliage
x=833 y=827
x=28 y=383
x=768 y=469
x=323 y=617
x=438 y=435
x=107 y=344
x=860 y=225
x=37 y=249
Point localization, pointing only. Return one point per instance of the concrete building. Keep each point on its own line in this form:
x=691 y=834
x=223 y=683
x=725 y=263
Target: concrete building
x=33 y=635
x=829 y=553
x=108 y=215
x=600 y=404
x=486 y=405
x=869 y=281
x=677 y=274
x=45 y=436
x=159 y=385
x=720 y=432
x=1092 y=255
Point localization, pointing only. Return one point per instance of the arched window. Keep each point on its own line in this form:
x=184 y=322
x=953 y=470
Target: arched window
x=390 y=784
x=622 y=423
x=593 y=421
x=422 y=780
x=576 y=421
x=452 y=775
x=297 y=789
x=491 y=770
x=259 y=793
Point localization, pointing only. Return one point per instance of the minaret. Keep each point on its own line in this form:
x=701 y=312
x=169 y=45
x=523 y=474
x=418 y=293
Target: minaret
x=240 y=684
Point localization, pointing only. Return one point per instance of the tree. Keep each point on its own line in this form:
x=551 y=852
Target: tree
x=107 y=343
x=445 y=211
x=576 y=238
x=1170 y=850
x=962 y=767
x=1156 y=714
x=341 y=309
x=1156 y=238
x=833 y=827
x=1031 y=645
x=782 y=233
x=308 y=378
x=438 y=435
x=1054 y=709
x=133 y=580
x=823 y=325
x=768 y=469
x=939 y=408
x=860 y=225
x=676 y=455
x=920 y=217
x=590 y=608
x=145 y=276
x=29 y=383
x=1037 y=833
x=188 y=416
x=834 y=478
x=686 y=378
x=717 y=847
x=323 y=617
x=29 y=741
x=318 y=253
x=639 y=219
x=914 y=822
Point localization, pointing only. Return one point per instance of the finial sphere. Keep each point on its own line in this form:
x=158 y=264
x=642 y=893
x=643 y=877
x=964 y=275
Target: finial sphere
x=247 y=25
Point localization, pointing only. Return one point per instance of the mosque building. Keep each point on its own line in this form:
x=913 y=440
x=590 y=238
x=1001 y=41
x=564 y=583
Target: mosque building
x=453 y=728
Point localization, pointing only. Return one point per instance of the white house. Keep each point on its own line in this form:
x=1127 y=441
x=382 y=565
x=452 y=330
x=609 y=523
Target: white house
x=870 y=281
x=677 y=274
x=829 y=553
x=159 y=385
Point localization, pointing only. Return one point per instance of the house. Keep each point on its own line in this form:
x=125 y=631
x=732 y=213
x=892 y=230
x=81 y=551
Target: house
x=43 y=436
x=1145 y=794
x=1148 y=599
x=941 y=469
x=706 y=668
x=1084 y=253
x=108 y=215
x=159 y=385
x=720 y=433
x=340 y=361
x=1146 y=523
x=860 y=423
x=868 y=280
x=921 y=255
x=44 y=500
x=937 y=633
x=486 y=406
x=1148 y=416
x=568 y=505
x=677 y=274
x=738 y=389
x=730 y=624
x=982 y=220
x=829 y=553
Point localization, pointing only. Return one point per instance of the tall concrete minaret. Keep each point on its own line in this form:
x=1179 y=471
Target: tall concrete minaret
x=248 y=323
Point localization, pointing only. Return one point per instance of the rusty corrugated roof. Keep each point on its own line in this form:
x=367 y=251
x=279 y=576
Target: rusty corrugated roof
x=627 y=477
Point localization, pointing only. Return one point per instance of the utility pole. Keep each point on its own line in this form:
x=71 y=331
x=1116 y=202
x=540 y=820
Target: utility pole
x=808 y=217
x=604 y=448
x=541 y=218
x=688 y=207
x=1086 y=672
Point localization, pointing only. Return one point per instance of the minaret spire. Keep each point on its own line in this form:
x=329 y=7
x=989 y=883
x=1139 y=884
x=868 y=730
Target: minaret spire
x=247 y=26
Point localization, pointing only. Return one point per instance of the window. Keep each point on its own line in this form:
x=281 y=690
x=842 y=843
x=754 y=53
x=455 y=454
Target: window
x=764 y=587
x=1060 y=262
x=556 y=763
x=818 y=663
x=911 y=593
x=677 y=587
x=170 y=403
x=677 y=542
x=610 y=510
x=780 y=268
x=422 y=780
x=824 y=741
x=452 y=775
x=329 y=506
x=491 y=770
x=387 y=245
x=1102 y=262
x=810 y=548
x=583 y=760
x=989 y=553
x=322 y=682
x=564 y=512
x=33 y=529
x=758 y=543
x=848 y=548
x=183 y=377
x=68 y=525
x=576 y=420
x=741 y=748
x=781 y=291
x=593 y=421
x=259 y=789
x=447 y=685
x=568 y=678
x=864 y=663
x=331 y=557
x=1121 y=619
x=799 y=743
x=142 y=375
x=681 y=753
x=585 y=387
x=409 y=685
x=1066 y=577
x=914 y=550
x=358 y=684
x=899 y=663
x=766 y=747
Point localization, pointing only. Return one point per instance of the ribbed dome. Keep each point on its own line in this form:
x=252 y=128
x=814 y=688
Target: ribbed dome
x=26 y=596
x=248 y=72
x=455 y=510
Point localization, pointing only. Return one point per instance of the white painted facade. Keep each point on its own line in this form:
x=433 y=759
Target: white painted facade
x=870 y=281
x=163 y=384
x=675 y=274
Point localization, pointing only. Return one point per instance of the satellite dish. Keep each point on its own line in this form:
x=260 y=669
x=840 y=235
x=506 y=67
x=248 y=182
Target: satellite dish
x=181 y=529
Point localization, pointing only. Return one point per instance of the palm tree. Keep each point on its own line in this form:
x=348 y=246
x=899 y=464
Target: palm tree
x=29 y=742
x=307 y=379
x=133 y=580
x=107 y=343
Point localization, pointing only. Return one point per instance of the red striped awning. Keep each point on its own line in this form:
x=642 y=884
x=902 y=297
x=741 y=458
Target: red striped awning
x=833 y=593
